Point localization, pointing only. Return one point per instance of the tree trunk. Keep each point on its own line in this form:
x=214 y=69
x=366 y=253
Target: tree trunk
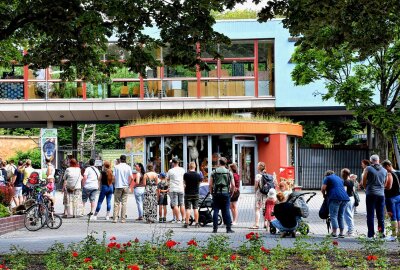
x=380 y=145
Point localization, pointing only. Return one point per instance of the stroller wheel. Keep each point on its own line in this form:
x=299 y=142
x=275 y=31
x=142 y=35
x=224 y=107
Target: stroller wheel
x=219 y=220
x=191 y=220
x=303 y=228
x=272 y=229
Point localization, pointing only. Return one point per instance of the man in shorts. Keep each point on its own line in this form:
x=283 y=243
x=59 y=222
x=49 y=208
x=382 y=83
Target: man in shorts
x=192 y=181
x=90 y=183
x=175 y=177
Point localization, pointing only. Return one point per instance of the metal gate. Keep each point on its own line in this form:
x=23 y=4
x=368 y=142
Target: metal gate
x=313 y=163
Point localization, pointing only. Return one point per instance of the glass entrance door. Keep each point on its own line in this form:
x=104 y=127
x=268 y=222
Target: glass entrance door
x=247 y=165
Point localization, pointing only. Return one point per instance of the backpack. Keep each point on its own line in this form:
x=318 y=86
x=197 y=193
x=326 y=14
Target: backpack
x=10 y=171
x=33 y=179
x=221 y=181
x=266 y=183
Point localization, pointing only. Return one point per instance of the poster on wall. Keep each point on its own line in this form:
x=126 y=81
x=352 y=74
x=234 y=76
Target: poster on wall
x=49 y=146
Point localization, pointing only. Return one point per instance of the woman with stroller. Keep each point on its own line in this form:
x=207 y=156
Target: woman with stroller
x=333 y=188
x=287 y=216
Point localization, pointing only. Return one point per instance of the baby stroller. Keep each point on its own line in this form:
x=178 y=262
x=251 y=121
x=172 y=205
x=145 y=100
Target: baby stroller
x=298 y=200
x=205 y=211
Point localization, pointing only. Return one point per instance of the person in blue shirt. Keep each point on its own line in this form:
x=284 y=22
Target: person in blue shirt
x=333 y=189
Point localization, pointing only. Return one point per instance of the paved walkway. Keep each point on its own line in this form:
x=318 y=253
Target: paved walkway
x=74 y=230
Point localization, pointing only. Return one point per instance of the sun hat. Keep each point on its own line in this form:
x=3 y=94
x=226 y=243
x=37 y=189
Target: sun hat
x=272 y=193
x=162 y=175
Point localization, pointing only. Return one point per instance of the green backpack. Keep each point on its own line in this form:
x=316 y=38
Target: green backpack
x=221 y=181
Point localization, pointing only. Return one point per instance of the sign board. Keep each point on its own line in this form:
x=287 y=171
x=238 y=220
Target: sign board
x=112 y=155
x=48 y=146
x=98 y=163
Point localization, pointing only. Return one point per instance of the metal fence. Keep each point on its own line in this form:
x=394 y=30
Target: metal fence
x=313 y=163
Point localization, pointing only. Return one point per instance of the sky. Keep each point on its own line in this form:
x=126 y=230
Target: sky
x=250 y=5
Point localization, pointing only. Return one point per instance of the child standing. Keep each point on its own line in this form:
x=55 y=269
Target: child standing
x=269 y=207
x=162 y=190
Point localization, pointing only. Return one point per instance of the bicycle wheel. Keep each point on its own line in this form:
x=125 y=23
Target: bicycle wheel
x=35 y=217
x=54 y=221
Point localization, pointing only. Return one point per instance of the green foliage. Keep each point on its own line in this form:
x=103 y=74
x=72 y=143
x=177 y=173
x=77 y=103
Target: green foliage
x=4 y=211
x=235 y=14
x=34 y=155
x=20 y=131
x=316 y=133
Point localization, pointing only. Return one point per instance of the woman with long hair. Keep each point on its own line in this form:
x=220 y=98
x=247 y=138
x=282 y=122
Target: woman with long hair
x=235 y=194
x=150 y=181
x=260 y=198
x=349 y=210
x=139 y=189
x=72 y=189
x=106 y=191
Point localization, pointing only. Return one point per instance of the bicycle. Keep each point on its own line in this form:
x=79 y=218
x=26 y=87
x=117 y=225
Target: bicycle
x=42 y=212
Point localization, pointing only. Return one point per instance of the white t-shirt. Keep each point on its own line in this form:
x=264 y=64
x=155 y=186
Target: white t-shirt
x=175 y=176
x=122 y=172
x=92 y=178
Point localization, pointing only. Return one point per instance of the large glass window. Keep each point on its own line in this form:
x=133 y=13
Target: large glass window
x=221 y=147
x=198 y=153
x=153 y=152
x=265 y=67
x=173 y=147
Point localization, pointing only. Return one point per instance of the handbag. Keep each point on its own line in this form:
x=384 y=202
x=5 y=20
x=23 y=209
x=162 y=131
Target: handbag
x=324 y=210
x=72 y=189
x=356 y=198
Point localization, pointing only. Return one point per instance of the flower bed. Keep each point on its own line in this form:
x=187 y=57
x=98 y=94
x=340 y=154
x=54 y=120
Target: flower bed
x=213 y=254
x=10 y=224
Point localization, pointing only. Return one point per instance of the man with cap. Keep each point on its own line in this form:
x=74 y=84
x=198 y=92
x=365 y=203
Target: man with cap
x=374 y=180
x=176 y=189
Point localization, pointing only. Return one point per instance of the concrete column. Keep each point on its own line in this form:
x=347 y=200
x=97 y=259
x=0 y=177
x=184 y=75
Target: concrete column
x=50 y=124
x=74 y=126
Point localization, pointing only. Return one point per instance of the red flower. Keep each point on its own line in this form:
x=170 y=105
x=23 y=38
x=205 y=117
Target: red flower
x=372 y=258
x=205 y=256
x=121 y=251
x=134 y=267
x=136 y=240
x=171 y=243
x=90 y=267
x=252 y=236
x=265 y=250
x=75 y=254
x=216 y=258
x=124 y=245
x=118 y=246
x=192 y=243
x=265 y=268
x=335 y=243
x=129 y=243
x=113 y=238
x=88 y=259
x=233 y=257
x=121 y=259
x=112 y=244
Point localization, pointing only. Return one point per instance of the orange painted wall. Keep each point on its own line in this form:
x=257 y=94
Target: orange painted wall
x=274 y=153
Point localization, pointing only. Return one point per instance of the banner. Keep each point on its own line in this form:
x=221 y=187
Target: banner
x=49 y=146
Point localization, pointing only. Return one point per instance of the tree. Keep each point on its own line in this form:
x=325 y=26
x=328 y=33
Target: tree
x=74 y=34
x=355 y=47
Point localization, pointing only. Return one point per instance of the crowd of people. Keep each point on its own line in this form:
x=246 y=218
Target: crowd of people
x=382 y=187
x=184 y=190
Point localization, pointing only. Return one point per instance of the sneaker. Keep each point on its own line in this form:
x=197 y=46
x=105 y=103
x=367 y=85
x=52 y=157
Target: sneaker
x=107 y=218
x=164 y=219
x=233 y=223
x=160 y=220
x=229 y=231
x=197 y=225
x=341 y=235
x=185 y=225
x=173 y=221
x=350 y=234
x=333 y=235
x=123 y=221
x=114 y=221
x=93 y=218
x=178 y=221
x=390 y=238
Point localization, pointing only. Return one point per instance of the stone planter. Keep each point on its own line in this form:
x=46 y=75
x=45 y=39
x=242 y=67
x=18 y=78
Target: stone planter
x=12 y=223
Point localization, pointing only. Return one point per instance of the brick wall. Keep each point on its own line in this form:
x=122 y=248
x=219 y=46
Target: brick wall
x=10 y=224
x=9 y=145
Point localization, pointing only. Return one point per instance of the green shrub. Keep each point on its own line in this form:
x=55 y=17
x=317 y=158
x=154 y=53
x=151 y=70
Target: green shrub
x=4 y=211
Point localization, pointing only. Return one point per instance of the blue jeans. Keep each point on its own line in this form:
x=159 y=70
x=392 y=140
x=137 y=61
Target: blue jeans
x=336 y=213
x=375 y=203
x=395 y=206
x=105 y=192
x=349 y=215
x=222 y=201
x=139 y=196
x=277 y=224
